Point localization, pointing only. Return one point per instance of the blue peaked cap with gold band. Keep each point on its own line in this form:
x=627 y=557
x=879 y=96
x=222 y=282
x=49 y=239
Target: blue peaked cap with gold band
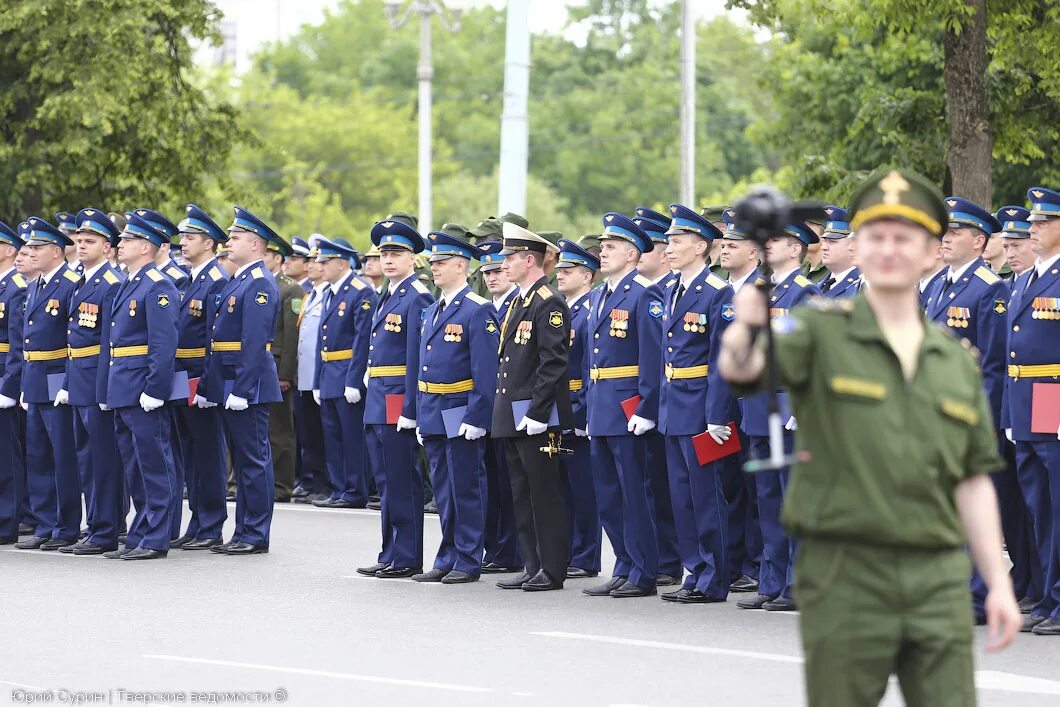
x=137 y=227
x=1045 y=204
x=299 y=247
x=8 y=235
x=445 y=245
x=353 y=256
x=197 y=221
x=66 y=221
x=158 y=222
x=394 y=234
x=801 y=232
x=1015 y=221
x=97 y=221
x=246 y=222
x=686 y=220
x=326 y=249
x=837 y=223
x=653 y=223
x=571 y=254
x=621 y=227
x=732 y=232
x=40 y=232
x=964 y=213
x=490 y=258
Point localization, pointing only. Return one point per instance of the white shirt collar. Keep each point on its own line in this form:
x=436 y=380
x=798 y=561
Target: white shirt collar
x=738 y=282
x=243 y=269
x=779 y=277
x=498 y=302
x=395 y=285
x=89 y=273
x=447 y=299
x=1044 y=265
x=338 y=285
x=839 y=277
x=6 y=273
x=197 y=270
x=613 y=284
x=688 y=283
x=575 y=300
x=48 y=278
x=955 y=275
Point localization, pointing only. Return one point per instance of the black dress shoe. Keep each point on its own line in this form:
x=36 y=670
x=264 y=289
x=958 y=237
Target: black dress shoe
x=180 y=542
x=204 y=544
x=117 y=554
x=629 y=589
x=322 y=503
x=744 y=584
x=373 y=498
x=690 y=596
x=372 y=569
x=82 y=549
x=542 y=582
x=430 y=576
x=579 y=573
x=1049 y=627
x=143 y=553
x=34 y=542
x=780 y=604
x=459 y=577
x=605 y=589
x=515 y=582
x=123 y=537
x=340 y=503
x=374 y=505
x=302 y=499
x=755 y=602
x=72 y=549
x=1026 y=604
x=665 y=580
x=223 y=547
x=398 y=572
x=55 y=544
x=9 y=541
x=26 y=529
x=1029 y=621
x=494 y=568
x=299 y=492
x=246 y=549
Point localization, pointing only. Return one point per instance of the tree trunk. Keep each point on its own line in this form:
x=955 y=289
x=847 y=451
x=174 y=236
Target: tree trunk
x=968 y=156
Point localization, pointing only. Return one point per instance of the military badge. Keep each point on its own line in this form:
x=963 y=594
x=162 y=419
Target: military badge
x=132 y=308
x=366 y=305
x=163 y=300
x=261 y=299
x=728 y=313
x=555 y=319
x=999 y=306
x=655 y=308
x=342 y=308
x=523 y=331
x=3 y=309
x=296 y=305
x=231 y=304
x=491 y=327
x=195 y=307
x=454 y=333
x=619 y=323
x=52 y=307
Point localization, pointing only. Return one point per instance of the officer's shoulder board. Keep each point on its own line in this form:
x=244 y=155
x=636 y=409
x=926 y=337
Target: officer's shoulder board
x=110 y=278
x=356 y=283
x=543 y=292
x=420 y=287
x=825 y=304
x=477 y=299
x=71 y=276
x=802 y=281
x=716 y=282
x=986 y=275
x=257 y=273
x=215 y=273
x=175 y=272
x=20 y=282
x=154 y=275
x=641 y=280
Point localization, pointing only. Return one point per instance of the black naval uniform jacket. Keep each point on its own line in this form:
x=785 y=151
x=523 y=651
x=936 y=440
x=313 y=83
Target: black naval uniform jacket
x=535 y=336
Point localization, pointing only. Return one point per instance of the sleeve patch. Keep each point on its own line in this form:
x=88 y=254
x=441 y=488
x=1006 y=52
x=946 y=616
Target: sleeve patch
x=655 y=308
x=491 y=326
x=154 y=275
x=261 y=299
x=110 y=278
x=296 y=305
x=163 y=300
x=555 y=319
x=728 y=313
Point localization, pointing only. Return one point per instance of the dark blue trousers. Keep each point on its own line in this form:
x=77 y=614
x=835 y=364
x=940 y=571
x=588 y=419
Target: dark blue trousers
x=1038 y=466
x=702 y=518
x=203 y=448
x=502 y=539
x=583 y=518
x=101 y=474
x=344 y=449
x=775 y=574
x=150 y=478
x=392 y=456
x=180 y=471
x=51 y=471
x=312 y=467
x=745 y=535
x=460 y=491
x=248 y=438
x=623 y=494
x=12 y=473
x=665 y=527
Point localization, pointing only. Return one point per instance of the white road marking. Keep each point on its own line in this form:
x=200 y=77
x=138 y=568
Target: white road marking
x=775 y=657
x=22 y=684
x=1011 y=682
x=322 y=673
x=310 y=508
x=407 y=580
x=40 y=553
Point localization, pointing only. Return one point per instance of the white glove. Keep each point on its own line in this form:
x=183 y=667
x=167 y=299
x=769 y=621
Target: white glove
x=580 y=433
x=470 y=432
x=532 y=427
x=419 y=437
x=202 y=403
x=316 y=397
x=1008 y=434
x=719 y=433
x=352 y=395
x=405 y=423
x=104 y=407
x=62 y=397
x=22 y=402
x=234 y=402
x=791 y=425
x=7 y=403
x=638 y=425
x=148 y=403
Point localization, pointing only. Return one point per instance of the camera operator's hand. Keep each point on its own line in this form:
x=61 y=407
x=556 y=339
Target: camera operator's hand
x=750 y=306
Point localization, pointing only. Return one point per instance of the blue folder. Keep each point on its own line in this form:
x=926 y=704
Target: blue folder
x=55 y=384
x=180 y=389
x=452 y=419
x=521 y=407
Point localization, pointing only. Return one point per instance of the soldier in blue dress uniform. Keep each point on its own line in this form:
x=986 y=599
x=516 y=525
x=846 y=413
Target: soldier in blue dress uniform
x=12 y=463
x=343 y=338
x=199 y=428
x=51 y=464
x=95 y=443
x=837 y=254
x=693 y=399
x=625 y=369
x=575 y=273
x=390 y=411
x=1016 y=244
x=163 y=259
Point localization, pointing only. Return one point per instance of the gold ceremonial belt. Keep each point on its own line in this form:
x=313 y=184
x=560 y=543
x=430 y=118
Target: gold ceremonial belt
x=1047 y=370
x=84 y=351
x=614 y=372
x=231 y=346
x=54 y=355
x=686 y=373
x=463 y=386
x=576 y=384
x=385 y=371
x=343 y=355
x=191 y=353
x=123 y=351
x=5 y=347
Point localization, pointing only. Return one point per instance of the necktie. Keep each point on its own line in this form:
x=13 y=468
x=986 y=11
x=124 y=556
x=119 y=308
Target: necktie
x=383 y=299
x=603 y=300
x=438 y=312
x=828 y=284
x=677 y=296
x=327 y=299
x=1033 y=277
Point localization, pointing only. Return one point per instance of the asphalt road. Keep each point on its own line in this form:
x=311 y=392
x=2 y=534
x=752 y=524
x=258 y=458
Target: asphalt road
x=298 y=626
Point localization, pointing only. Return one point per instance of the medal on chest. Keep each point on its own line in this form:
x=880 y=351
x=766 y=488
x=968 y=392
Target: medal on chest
x=454 y=333
x=132 y=308
x=522 y=332
x=342 y=309
x=231 y=304
x=695 y=323
x=1046 y=308
x=393 y=323
x=957 y=317
x=87 y=315
x=52 y=307
x=619 y=323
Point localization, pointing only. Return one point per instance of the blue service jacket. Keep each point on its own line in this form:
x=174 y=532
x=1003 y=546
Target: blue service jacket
x=12 y=311
x=785 y=296
x=345 y=327
x=174 y=272
x=931 y=284
x=692 y=332
x=239 y=360
x=976 y=308
x=87 y=334
x=848 y=287
x=628 y=332
x=143 y=314
x=578 y=358
x=461 y=345
x=199 y=302
x=44 y=333
x=1033 y=340
x=395 y=341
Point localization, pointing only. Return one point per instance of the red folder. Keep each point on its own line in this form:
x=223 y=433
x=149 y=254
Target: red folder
x=394 y=403
x=1045 y=408
x=629 y=406
x=193 y=390
x=707 y=450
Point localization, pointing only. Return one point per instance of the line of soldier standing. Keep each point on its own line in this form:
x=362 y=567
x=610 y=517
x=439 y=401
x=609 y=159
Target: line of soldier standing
x=555 y=391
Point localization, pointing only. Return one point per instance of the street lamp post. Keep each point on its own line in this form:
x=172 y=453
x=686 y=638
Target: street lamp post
x=399 y=13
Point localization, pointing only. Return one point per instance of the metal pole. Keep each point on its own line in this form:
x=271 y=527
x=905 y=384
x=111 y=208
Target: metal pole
x=515 y=121
x=688 y=104
x=425 y=72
